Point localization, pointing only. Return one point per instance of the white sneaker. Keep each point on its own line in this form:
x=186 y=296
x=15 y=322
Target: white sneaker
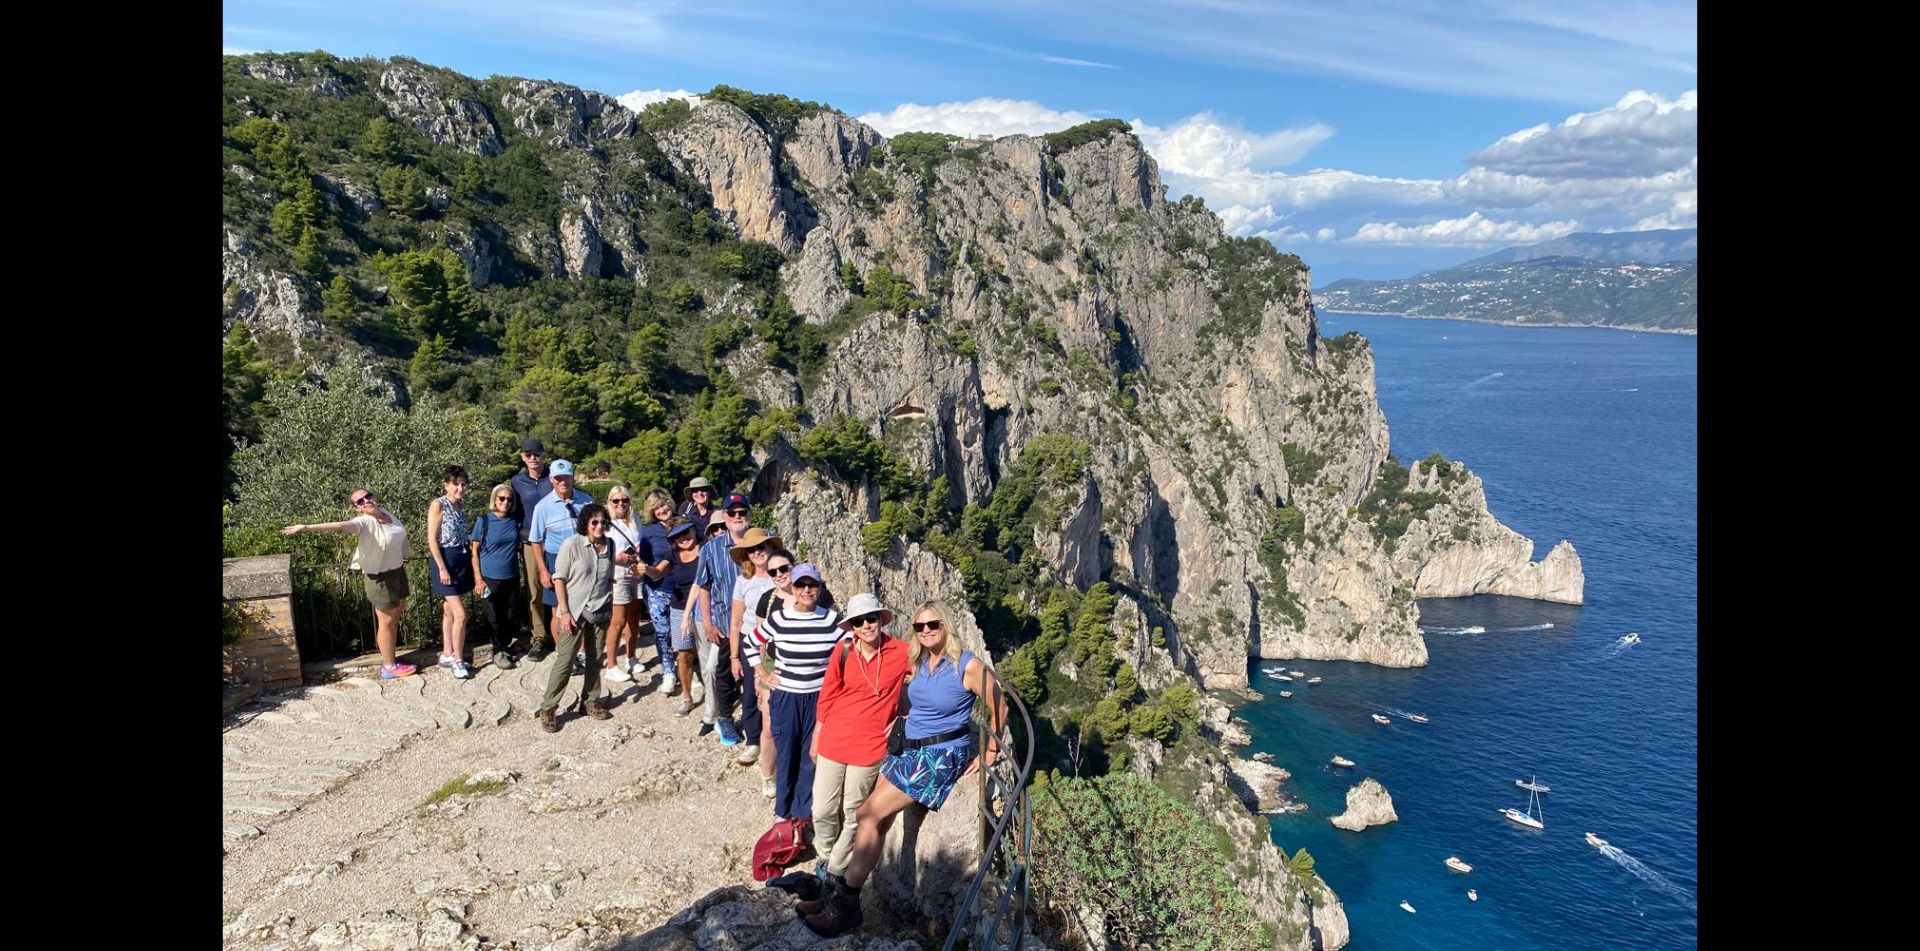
x=461 y=671
x=766 y=787
x=671 y=687
x=749 y=755
x=625 y=664
x=685 y=707
x=699 y=691
x=447 y=661
x=616 y=675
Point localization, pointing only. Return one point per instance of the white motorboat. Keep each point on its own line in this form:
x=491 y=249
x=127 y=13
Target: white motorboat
x=1417 y=718
x=1281 y=677
x=1313 y=680
x=1409 y=908
x=1342 y=761
x=1298 y=673
x=1285 y=694
x=1631 y=638
x=1377 y=718
x=1536 y=785
x=1596 y=841
x=1453 y=862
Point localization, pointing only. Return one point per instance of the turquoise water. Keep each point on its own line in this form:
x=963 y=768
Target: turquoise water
x=1578 y=433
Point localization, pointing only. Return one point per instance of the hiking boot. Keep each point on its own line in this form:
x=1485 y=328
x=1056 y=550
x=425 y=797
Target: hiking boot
x=841 y=914
x=538 y=653
x=503 y=659
x=596 y=711
x=830 y=888
x=548 y=721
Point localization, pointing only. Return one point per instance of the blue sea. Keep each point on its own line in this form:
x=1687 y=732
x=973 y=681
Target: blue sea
x=1578 y=433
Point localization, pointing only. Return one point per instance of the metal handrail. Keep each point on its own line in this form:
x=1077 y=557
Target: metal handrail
x=983 y=927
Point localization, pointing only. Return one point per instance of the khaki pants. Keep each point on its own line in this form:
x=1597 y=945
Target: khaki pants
x=539 y=613
x=584 y=632
x=838 y=791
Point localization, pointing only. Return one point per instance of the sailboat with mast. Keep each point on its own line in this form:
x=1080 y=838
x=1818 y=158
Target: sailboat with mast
x=1533 y=818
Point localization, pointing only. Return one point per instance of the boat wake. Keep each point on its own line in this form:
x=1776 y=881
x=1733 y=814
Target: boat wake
x=1491 y=376
x=1454 y=631
x=1544 y=626
x=1645 y=874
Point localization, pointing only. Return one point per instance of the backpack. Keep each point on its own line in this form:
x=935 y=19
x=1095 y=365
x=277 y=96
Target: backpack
x=780 y=846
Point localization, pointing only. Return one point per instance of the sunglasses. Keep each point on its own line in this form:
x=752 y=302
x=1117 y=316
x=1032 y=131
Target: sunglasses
x=806 y=583
x=924 y=626
x=736 y=513
x=783 y=569
x=618 y=501
x=364 y=500
x=503 y=498
x=596 y=521
x=866 y=619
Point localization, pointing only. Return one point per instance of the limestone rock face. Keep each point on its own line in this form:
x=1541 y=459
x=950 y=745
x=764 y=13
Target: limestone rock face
x=261 y=298
x=413 y=95
x=1256 y=783
x=1367 y=805
x=566 y=117
x=580 y=244
x=735 y=159
x=827 y=148
x=318 y=79
x=812 y=280
x=737 y=917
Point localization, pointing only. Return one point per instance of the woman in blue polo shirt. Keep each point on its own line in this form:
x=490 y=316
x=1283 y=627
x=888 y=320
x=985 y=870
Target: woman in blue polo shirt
x=496 y=549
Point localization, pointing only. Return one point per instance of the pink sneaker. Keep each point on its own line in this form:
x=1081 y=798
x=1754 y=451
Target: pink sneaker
x=395 y=671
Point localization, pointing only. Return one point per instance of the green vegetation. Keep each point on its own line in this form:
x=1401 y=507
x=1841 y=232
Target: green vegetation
x=1248 y=274
x=462 y=785
x=1149 y=864
x=1389 y=508
x=778 y=114
x=1098 y=129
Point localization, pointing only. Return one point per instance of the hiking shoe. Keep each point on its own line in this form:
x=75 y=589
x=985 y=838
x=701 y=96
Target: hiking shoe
x=548 y=721
x=616 y=675
x=699 y=691
x=447 y=661
x=766 y=787
x=503 y=660
x=685 y=707
x=749 y=755
x=396 y=671
x=826 y=887
x=596 y=711
x=729 y=733
x=670 y=686
x=706 y=727
x=538 y=653
x=461 y=671
x=841 y=914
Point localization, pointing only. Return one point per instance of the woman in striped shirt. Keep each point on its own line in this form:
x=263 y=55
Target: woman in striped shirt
x=801 y=635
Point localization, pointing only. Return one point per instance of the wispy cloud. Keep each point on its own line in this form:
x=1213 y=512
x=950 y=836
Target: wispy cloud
x=1070 y=61
x=641 y=98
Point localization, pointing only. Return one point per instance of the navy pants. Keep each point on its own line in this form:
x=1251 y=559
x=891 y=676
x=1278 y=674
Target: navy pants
x=793 y=719
x=749 y=702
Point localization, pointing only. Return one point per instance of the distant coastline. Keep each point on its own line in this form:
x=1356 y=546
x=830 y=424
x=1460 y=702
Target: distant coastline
x=1683 y=331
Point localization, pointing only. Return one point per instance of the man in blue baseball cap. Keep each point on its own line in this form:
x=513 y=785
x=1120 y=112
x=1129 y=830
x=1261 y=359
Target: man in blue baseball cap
x=554 y=520
x=712 y=603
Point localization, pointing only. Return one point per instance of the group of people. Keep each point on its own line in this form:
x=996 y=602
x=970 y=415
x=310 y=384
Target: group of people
x=848 y=723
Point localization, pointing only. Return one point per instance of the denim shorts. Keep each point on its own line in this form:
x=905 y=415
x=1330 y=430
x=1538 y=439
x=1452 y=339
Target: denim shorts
x=680 y=633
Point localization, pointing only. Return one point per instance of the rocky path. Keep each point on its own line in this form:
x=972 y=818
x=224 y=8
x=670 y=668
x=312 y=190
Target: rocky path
x=430 y=812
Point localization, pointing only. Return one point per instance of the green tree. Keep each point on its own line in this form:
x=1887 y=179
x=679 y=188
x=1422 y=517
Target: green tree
x=1146 y=862
x=339 y=306
x=404 y=191
x=625 y=406
x=430 y=370
x=432 y=290
x=647 y=352
x=557 y=406
x=1302 y=865
x=380 y=142
x=308 y=256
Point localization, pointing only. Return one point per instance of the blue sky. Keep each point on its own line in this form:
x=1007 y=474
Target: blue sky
x=1372 y=138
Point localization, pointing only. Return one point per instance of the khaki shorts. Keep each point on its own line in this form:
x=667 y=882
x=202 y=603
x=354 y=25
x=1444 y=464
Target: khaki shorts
x=387 y=589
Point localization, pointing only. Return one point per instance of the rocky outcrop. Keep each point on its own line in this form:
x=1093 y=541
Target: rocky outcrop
x=1257 y=783
x=351 y=199
x=737 y=917
x=580 y=244
x=1367 y=805
x=261 y=298
x=827 y=147
x=313 y=77
x=475 y=245
x=414 y=96
x=734 y=158
x=1297 y=907
x=812 y=280
x=566 y=117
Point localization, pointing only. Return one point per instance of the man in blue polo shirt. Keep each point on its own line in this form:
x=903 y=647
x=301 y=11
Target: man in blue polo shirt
x=529 y=487
x=712 y=602
x=553 y=521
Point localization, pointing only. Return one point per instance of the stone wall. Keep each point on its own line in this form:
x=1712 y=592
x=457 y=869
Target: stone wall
x=267 y=656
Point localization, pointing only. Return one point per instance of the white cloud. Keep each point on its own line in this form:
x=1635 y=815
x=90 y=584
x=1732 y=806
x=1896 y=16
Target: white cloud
x=641 y=98
x=236 y=51
x=1070 y=61
x=1324 y=234
x=1643 y=134
x=975 y=117
x=1202 y=146
x=1472 y=230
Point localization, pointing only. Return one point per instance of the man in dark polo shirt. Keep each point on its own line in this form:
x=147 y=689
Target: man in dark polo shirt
x=529 y=487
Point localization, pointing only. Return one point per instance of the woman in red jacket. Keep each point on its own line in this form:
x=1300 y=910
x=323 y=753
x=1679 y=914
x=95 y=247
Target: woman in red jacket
x=859 y=699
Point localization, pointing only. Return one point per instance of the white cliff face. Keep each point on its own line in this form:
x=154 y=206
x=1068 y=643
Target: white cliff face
x=1367 y=805
x=812 y=281
x=735 y=159
x=565 y=117
x=414 y=97
x=261 y=298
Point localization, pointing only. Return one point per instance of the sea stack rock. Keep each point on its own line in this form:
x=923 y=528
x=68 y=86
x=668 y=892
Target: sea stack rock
x=1367 y=805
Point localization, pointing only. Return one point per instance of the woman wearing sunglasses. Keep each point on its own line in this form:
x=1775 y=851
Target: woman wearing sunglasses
x=380 y=556
x=859 y=700
x=684 y=536
x=939 y=749
x=800 y=636
x=656 y=563
x=496 y=549
x=780 y=575
x=583 y=606
x=452 y=568
x=624 y=530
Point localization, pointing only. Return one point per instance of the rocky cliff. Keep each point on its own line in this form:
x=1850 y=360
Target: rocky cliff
x=1367 y=805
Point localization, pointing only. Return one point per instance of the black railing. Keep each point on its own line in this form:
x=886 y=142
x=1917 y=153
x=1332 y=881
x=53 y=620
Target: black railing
x=997 y=896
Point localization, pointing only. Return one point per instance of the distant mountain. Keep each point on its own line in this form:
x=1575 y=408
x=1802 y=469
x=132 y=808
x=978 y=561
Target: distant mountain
x=1644 y=247
x=1562 y=290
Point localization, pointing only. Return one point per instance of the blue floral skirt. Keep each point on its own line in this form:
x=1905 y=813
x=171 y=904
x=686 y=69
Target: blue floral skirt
x=929 y=773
